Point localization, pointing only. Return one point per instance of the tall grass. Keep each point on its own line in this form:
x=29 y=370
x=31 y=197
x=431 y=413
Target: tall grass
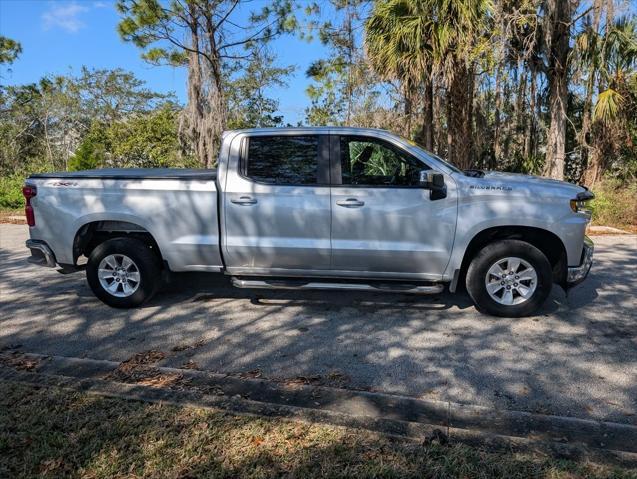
x=615 y=204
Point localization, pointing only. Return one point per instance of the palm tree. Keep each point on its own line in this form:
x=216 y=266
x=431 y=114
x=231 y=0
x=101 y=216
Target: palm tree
x=557 y=50
x=397 y=42
x=588 y=59
x=618 y=65
x=411 y=40
x=616 y=54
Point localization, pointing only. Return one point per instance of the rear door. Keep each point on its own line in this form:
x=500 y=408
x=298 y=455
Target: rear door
x=383 y=223
x=277 y=204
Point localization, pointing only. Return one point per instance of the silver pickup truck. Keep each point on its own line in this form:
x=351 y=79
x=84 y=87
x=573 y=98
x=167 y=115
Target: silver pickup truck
x=316 y=208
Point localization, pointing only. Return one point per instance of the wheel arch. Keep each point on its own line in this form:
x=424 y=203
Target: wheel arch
x=546 y=241
x=93 y=233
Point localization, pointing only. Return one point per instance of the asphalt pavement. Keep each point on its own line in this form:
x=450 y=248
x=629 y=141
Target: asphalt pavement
x=577 y=357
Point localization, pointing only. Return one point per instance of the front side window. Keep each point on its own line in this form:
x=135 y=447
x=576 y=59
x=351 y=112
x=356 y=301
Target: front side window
x=370 y=162
x=283 y=160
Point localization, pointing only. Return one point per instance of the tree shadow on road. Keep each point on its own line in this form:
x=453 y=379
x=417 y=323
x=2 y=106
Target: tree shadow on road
x=577 y=357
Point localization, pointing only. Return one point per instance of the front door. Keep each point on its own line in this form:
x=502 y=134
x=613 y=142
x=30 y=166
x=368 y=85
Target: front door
x=277 y=205
x=383 y=223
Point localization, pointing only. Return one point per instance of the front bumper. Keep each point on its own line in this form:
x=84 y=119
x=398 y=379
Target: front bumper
x=577 y=274
x=41 y=254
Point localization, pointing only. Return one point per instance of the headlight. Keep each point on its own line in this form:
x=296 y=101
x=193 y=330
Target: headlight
x=578 y=204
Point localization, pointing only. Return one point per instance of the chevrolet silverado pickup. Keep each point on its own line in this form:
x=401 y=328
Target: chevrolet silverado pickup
x=316 y=208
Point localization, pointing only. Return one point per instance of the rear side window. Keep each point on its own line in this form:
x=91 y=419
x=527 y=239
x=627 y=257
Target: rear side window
x=283 y=160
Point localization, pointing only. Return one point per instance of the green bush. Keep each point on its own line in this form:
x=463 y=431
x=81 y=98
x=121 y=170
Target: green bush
x=11 y=182
x=11 y=191
x=92 y=151
x=141 y=141
x=615 y=203
x=147 y=141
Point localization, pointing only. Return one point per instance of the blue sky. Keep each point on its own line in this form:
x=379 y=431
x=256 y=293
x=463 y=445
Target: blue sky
x=60 y=36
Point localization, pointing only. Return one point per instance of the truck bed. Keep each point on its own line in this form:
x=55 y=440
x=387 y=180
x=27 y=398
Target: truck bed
x=178 y=207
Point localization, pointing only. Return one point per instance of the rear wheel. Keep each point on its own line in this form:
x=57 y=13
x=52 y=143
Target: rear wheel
x=509 y=278
x=123 y=272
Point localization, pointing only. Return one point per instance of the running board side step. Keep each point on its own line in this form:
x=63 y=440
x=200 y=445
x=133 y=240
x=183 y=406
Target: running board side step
x=321 y=285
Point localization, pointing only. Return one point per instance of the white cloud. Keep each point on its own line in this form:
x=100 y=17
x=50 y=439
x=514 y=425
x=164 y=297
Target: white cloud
x=64 y=16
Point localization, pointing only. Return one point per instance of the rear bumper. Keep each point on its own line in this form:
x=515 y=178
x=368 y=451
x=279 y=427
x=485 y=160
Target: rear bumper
x=41 y=254
x=577 y=274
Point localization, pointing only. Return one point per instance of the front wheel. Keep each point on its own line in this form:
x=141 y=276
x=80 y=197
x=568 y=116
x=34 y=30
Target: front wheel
x=123 y=272
x=509 y=278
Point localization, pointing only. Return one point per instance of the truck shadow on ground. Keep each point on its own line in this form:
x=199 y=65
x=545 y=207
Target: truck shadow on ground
x=576 y=357
x=205 y=287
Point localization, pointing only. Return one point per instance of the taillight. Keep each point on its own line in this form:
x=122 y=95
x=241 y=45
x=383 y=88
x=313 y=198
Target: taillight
x=29 y=191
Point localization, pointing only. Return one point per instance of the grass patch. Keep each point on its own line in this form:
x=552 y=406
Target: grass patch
x=50 y=432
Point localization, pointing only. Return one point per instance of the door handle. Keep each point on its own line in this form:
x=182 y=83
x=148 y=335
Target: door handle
x=350 y=203
x=244 y=200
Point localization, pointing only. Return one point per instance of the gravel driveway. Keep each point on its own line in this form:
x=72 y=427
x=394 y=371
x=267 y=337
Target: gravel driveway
x=578 y=357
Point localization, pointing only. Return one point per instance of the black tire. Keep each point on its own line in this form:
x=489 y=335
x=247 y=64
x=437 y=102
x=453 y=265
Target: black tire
x=145 y=260
x=488 y=256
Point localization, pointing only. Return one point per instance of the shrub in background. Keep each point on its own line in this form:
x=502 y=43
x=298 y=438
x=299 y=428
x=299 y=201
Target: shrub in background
x=11 y=184
x=92 y=151
x=11 y=191
x=615 y=203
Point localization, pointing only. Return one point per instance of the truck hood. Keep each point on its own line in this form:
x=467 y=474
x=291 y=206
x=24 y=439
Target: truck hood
x=518 y=180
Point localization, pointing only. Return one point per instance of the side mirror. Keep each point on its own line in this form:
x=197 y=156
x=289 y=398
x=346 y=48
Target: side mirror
x=435 y=183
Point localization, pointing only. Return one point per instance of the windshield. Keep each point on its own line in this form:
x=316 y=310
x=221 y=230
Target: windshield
x=445 y=162
x=436 y=157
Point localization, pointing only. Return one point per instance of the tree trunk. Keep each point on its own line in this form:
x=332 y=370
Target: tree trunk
x=47 y=140
x=520 y=112
x=484 y=156
x=559 y=13
x=497 y=150
x=194 y=109
x=459 y=136
x=194 y=114
x=598 y=151
x=556 y=141
x=408 y=95
x=469 y=129
x=529 y=134
x=508 y=128
x=588 y=159
x=583 y=139
x=206 y=112
x=350 y=60
x=218 y=112
x=427 y=133
x=439 y=141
